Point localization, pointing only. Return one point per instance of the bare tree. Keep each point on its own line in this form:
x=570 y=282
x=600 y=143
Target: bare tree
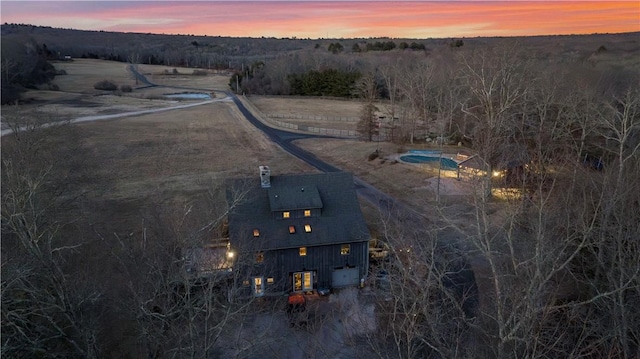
x=391 y=73
x=368 y=125
x=416 y=88
x=546 y=259
x=445 y=99
x=424 y=294
x=497 y=81
x=49 y=307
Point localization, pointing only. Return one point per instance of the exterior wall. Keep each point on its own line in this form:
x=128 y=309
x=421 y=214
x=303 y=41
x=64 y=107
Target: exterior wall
x=322 y=260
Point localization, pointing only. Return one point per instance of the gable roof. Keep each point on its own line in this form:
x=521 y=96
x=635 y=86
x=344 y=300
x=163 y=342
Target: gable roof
x=333 y=193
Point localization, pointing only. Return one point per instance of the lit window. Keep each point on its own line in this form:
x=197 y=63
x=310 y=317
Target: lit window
x=307 y=213
x=345 y=249
x=259 y=257
x=245 y=283
x=307 y=228
x=292 y=229
x=256 y=232
x=302 y=281
x=270 y=280
x=303 y=251
x=286 y=214
x=307 y=281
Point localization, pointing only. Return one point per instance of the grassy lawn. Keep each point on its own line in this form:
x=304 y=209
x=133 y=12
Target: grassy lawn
x=176 y=155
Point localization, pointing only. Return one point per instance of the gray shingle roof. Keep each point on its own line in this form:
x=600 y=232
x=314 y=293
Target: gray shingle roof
x=286 y=194
x=341 y=220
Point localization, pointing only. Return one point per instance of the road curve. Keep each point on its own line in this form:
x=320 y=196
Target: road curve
x=389 y=205
x=459 y=279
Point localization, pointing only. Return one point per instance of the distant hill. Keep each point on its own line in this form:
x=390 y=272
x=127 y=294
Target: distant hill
x=217 y=51
x=270 y=66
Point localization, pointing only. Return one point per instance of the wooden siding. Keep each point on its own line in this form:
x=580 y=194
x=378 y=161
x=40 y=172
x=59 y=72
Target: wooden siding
x=280 y=264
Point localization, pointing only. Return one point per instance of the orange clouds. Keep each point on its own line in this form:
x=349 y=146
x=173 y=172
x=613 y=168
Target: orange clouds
x=314 y=19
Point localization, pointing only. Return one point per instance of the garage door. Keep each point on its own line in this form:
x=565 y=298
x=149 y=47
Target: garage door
x=345 y=277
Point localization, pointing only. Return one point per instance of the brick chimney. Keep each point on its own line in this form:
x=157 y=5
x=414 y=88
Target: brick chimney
x=265 y=177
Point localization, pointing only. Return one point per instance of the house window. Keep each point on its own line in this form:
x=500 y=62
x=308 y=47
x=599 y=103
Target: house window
x=345 y=249
x=307 y=213
x=259 y=257
x=286 y=214
x=256 y=232
x=302 y=281
x=245 y=283
x=292 y=229
x=270 y=280
x=258 y=286
x=302 y=251
x=307 y=228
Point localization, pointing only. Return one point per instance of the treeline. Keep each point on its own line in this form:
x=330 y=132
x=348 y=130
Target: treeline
x=555 y=257
x=24 y=66
x=424 y=92
x=328 y=82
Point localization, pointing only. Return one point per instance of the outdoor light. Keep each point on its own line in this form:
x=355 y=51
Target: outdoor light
x=230 y=255
x=496 y=174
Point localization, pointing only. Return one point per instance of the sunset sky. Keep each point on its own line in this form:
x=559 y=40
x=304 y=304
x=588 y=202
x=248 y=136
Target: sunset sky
x=332 y=19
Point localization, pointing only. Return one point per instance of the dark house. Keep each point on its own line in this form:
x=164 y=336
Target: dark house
x=297 y=233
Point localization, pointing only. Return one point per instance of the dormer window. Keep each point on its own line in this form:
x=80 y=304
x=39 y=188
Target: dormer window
x=307 y=213
x=307 y=228
x=256 y=232
x=286 y=214
x=292 y=229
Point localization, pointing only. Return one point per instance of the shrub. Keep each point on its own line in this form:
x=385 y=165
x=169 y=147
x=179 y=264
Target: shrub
x=54 y=87
x=373 y=155
x=125 y=88
x=457 y=43
x=199 y=73
x=105 y=85
x=61 y=72
x=175 y=71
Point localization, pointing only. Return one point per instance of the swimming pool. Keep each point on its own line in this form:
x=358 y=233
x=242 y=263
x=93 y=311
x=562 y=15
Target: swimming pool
x=445 y=163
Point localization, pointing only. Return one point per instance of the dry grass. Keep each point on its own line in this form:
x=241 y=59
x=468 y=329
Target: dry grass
x=413 y=184
x=181 y=151
x=77 y=97
x=82 y=74
x=339 y=114
x=307 y=106
x=179 y=154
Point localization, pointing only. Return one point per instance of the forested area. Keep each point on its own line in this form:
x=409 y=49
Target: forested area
x=24 y=66
x=556 y=263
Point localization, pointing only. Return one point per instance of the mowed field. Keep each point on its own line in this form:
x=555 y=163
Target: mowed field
x=178 y=155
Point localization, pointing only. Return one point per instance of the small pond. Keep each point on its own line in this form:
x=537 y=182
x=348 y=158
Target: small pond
x=189 y=96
